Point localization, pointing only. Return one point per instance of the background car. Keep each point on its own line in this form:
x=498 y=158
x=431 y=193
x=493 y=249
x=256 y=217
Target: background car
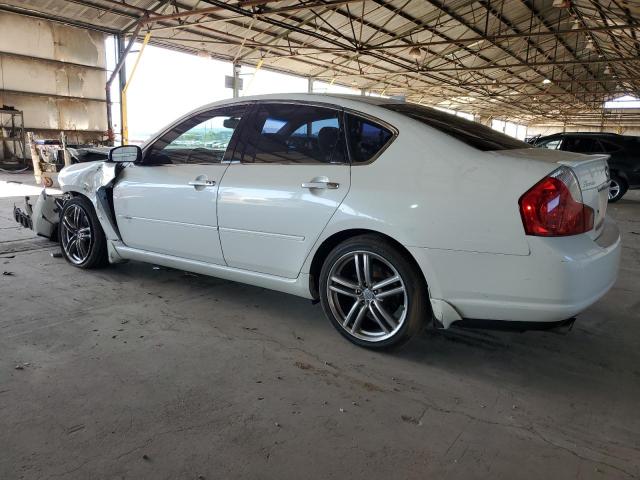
x=623 y=151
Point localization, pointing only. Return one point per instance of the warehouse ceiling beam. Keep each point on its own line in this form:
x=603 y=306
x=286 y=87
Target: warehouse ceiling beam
x=418 y=77
x=505 y=48
x=533 y=64
x=490 y=50
x=558 y=37
x=57 y=18
x=250 y=3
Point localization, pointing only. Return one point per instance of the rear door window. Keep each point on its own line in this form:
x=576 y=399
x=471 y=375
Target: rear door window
x=582 y=145
x=366 y=138
x=291 y=133
x=609 y=147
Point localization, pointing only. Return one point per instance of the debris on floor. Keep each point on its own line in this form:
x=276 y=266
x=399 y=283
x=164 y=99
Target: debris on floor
x=56 y=254
x=7 y=274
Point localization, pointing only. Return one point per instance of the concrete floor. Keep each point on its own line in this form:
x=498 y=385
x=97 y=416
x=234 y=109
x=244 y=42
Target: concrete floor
x=134 y=372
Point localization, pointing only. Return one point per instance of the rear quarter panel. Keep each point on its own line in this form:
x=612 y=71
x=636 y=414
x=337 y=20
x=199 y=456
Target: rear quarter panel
x=430 y=190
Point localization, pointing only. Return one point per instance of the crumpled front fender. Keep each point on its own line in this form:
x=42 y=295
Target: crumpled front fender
x=94 y=180
x=86 y=178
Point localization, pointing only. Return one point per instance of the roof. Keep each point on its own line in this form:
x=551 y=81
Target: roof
x=486 y=57
x=355 y=102
x=321 y=97
x=582 y=134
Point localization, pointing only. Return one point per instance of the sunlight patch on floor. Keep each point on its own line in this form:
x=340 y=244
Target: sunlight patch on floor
x=14 y=189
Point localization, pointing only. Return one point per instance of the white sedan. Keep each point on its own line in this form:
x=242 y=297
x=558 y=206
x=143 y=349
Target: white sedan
x=390 y=214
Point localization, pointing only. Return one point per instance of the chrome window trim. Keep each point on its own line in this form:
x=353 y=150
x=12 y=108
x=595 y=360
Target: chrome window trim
x=332 y=106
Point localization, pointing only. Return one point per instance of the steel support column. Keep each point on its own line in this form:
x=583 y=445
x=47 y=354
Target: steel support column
x=122 y=80
x=236 y=80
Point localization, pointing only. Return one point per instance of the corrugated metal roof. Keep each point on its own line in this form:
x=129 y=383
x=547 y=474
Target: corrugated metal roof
x=488 y=57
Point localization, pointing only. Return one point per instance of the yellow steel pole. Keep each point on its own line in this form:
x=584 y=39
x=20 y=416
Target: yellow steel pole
x=253 y=77
x=125 y=123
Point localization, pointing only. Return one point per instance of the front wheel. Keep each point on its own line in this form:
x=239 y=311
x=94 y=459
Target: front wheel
x=372 y=293
x=81 y=235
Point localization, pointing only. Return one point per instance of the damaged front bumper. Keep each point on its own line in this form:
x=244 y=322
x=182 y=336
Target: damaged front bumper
x=43 y=216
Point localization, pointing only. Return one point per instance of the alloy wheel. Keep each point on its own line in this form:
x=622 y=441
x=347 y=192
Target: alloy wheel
x=614 y=189
x=76 y=234
x=367 y=296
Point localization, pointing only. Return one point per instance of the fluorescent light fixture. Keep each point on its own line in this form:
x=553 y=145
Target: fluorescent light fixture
x=415 y=53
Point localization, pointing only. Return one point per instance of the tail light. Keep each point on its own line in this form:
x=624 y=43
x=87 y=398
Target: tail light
x=553 y=207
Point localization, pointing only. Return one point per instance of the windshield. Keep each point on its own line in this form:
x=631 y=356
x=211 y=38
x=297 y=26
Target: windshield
x=472 y=133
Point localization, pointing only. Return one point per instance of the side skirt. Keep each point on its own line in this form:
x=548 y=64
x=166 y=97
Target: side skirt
x=294 y=286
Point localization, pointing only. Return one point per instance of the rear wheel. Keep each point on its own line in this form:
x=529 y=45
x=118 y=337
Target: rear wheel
x=81 y=236
x=373 y=295
x=617 y=188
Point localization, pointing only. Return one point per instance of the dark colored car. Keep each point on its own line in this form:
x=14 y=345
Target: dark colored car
x=623 y=151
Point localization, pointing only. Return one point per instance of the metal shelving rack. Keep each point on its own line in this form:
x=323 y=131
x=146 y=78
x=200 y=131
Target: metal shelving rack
x=12 y=132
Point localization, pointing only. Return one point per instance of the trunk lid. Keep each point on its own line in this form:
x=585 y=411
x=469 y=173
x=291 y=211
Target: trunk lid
x=592 y=172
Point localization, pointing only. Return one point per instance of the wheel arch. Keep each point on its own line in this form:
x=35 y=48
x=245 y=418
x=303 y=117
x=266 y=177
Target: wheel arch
x=620 y=174
x=102 y=205
x=75 y=193
x=335 y=239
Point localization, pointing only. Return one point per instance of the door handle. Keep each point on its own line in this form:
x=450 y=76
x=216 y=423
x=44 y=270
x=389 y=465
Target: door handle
x=321 y=184
x=202 y=183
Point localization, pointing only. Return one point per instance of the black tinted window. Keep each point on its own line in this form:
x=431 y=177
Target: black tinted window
x=472 y=133
x=581 y=145
x=609 y=146
x=553 y=144
x=289 y=133
x=366 y=138
x=203 y=138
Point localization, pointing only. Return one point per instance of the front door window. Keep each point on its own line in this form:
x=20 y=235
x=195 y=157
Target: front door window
x=202 y=139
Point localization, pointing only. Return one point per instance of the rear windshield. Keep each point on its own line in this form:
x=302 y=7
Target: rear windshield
x=472 y=133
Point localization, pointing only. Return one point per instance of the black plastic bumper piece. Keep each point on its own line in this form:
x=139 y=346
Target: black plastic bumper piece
x=22 y=218
x=514 y=326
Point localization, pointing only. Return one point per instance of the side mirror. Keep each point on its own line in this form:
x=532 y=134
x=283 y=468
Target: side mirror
x=125 y=153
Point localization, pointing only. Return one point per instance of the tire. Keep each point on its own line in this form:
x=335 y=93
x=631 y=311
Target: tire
x=617 y=188
x=81 y=236
x=373 y=318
